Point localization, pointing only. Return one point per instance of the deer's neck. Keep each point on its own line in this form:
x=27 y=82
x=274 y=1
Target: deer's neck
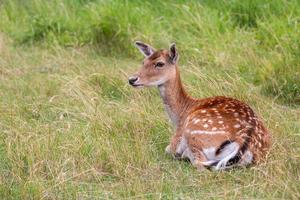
x=175 y=99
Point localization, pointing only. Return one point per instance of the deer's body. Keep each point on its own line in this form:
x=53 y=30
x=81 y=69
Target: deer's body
x=217 y=132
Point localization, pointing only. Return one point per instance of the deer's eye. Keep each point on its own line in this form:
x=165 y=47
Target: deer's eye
x=159 y=64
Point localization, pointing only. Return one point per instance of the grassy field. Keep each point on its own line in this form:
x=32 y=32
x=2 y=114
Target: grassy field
x=72 y=128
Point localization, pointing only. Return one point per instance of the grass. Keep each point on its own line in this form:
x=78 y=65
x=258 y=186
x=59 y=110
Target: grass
x=260 y=38
x=72 y=128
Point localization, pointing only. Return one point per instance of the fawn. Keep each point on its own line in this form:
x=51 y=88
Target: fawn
x=217 y=132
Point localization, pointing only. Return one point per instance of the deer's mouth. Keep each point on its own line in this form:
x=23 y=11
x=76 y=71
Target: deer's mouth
x=137 y=85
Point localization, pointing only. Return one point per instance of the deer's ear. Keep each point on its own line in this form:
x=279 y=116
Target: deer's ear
x=173 y=53
x=146 y=49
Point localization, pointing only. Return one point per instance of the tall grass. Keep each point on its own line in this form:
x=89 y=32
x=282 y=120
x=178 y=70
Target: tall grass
x=72 y=128
x=206 y=31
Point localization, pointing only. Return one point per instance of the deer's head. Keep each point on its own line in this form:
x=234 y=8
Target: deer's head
x=159 y=66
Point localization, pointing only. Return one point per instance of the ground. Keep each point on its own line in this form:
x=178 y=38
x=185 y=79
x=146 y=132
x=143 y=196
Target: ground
x=73 y=128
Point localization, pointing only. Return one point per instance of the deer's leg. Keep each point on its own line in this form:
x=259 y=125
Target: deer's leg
x=197 y=159
x=195 y=154
x=177 y=146
x=246 y=159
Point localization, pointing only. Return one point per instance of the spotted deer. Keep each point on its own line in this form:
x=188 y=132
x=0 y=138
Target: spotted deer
x=217 y=132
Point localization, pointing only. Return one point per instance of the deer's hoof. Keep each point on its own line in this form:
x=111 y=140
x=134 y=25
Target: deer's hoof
x=168 y=149
x=199 y=166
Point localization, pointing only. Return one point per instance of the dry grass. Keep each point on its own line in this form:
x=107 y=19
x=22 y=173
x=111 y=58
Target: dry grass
x=256 y=39
x=73 y=129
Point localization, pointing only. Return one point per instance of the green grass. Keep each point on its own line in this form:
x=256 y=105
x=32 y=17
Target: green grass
x=259 y=38
x=72 y=128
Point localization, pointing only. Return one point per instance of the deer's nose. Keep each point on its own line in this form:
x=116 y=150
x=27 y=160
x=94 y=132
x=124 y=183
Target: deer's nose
x=132 y=80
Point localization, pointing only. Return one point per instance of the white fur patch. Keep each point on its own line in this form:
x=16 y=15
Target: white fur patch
x=237 y=126
x=210 y=153
x=158 y=82
x=227 y=153
x=172 y=115
x=196 y=121
x=207 y=132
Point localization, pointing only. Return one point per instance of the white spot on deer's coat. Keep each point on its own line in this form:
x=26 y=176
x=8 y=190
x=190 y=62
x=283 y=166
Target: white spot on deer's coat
x=196 y=121
x=259 y=136
x=210 y=153
x=237 y=126
x=204 y=120
x=214 y=129
x=203 y=111
x=259 y=144
x=210 y=121
x=236 y=114
x=207 y=132
x=205 y=125
x=220 y=122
